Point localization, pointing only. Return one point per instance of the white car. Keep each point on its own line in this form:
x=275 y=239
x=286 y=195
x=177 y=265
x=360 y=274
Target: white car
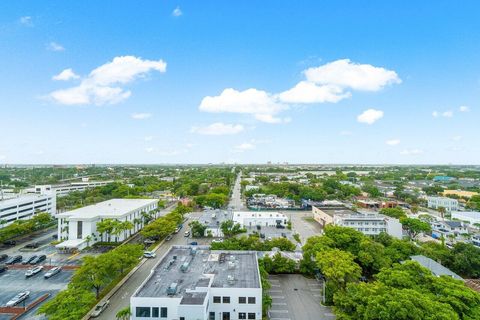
x=50 y=273
x=34 y=271
x=149 y=254
x=18 y=298
x=217 y=240
x=99 y=308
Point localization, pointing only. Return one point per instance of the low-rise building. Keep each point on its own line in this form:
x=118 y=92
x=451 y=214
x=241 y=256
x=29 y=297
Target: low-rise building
x=62 y=190
x=447 y=203
x=25 y=206
x=476 y=240
x=193 y=282
x=436 y=268
x=260 y=218
x=448 y=229
x=473 y=217
x=213 y=219
x=78 y=228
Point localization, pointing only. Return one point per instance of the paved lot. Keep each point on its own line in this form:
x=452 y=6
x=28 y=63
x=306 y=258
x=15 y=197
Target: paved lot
x=302 y=225
x=13 y=282
x=295 y=297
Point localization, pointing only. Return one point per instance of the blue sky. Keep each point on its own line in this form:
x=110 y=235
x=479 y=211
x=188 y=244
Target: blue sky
x=247 y=82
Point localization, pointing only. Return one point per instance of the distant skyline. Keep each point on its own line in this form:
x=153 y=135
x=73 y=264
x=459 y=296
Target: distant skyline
x=345 y=82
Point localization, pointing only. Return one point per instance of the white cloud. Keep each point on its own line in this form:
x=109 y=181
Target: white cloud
x=53 y=46
x=243 y=147
x=218 y=129
x=393 y=142
x=445 y=114
x=66 y=75
x=26 y=21
x=309 y=92
x=370 y=116
x=345 y=133
x=149 y=149
x=346 y=74
x=141 y=116
x=103 y=84
x=411 y=152
x=464 y=109
x=177 y=12
x=148 y=138
x=260 y=104
x=457 y=138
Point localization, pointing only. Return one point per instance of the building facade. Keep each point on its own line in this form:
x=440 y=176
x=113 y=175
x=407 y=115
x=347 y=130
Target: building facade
x=78 y=228
x=473 y=217
x=371 y=224
x=259 y=218
x=447 y=203
x=195 y=283
x=62 y=190
x=25 y=206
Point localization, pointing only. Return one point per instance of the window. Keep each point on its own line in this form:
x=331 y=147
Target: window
x=216 y=299
x=163 y=312
x=155 y=312
x=182 y=318
x=242 y=300
x=251 y=300
x=242 y=315
x=211 y=316
x=226 y=299
x=226 y=316
x=251 y=315
x=142 y=312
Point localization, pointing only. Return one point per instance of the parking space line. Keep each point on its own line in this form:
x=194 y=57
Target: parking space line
x=278 y=311
x=271 y=291
x=279 y=303
x=73 y=256
x=278 y=297
x=279 y=318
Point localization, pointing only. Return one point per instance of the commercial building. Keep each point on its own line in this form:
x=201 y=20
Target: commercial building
x=472 y=217
x=436 y=268
x=193 y=283
x=79 y=226
x=447 y=203
x=213 y=219
x=260 y=218
x=368 y=223
x=25 y=206
x=460 y=193
x=62 y=190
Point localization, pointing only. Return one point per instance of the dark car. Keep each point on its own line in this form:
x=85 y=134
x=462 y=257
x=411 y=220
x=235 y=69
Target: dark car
x=169 y=237
x=27 y=261
x=279 y=226
x=193 y=243
x=38 y=259
x=3 y=257
x=32 y=245
x=3 y=268
x=9 y=243
x=14 y=259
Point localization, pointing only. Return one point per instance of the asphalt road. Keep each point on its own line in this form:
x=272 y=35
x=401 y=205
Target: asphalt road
x=121 y=298
x=236 y=199
x=295 y=297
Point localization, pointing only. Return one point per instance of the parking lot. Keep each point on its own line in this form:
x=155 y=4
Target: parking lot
x=13 y=281
x=295 y=297
x=303 y=225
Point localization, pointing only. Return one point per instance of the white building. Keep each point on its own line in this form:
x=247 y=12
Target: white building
x=75 y=226
x=64 y=189
x=448 y=229
x=370 y=224
x=447 y=203
x=195 y=283
x=471 y=216
x=25 y=206
x=260 y=218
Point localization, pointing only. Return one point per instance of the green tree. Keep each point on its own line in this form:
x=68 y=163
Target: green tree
x=396 y=212
x=106 y=226
x=68 y=304
x=230 y=228
x=124 y=314
x=94 y=274
x=197 y=228
x=415 y=226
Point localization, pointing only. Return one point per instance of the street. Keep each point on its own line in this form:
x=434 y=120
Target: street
x=236 y=200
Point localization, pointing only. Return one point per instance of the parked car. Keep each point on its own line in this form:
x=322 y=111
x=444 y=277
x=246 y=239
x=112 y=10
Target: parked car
x=149 y=241
x=279 y=226
x=39 y=259
x=169 y=237
x=262 y=235
x=3 y=257
x=32 y=245
x=18 y=298
x=193 y=243
x=99 y=308
x=14 y=259
x=9 y=243
x=34 y=271
x=50 y=273
x=149 y=254
x=3 y=268
x=27 y=261
x=217 y=240
x=187 y=234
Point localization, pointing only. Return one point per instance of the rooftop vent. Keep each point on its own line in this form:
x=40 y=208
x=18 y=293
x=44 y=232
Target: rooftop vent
x=231 y=279
x=231 y=265
x=222 y=258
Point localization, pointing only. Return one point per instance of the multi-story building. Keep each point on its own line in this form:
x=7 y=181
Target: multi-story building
x=448 y=229
x=260 y=218
x=368 y=223
x=64 y=189
x=447 y=203
x=473 y=217
x=25 y=206
x=195 y=283
x=79 y=227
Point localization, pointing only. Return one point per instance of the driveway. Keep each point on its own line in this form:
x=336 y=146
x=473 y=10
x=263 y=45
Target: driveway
x=295 y=297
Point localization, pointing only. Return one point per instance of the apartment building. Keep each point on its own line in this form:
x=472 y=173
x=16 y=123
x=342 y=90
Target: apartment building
x=447 y=203
x=473 y=217
x=448 y=229
x=25 y=206
x=75 y=226
x=62 y=190
x=195 y=283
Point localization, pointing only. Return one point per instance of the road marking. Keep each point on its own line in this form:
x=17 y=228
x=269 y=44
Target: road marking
x=51 y=255
x=279 y=311
x=279 y=304
x=317 y=295
x=275 y=285
x=73 y=256
x=315 y=290
x=278 y=297
x=279 y=318
x=275 y=291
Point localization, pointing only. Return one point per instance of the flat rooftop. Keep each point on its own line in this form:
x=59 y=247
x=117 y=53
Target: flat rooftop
x=110 y=208
x=343 y=211
x=14 y=200
x=213 y=218
x=435 y=267
x=202 y=268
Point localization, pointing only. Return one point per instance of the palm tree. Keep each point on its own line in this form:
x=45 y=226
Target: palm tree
x=88 y=239
x=137 y=222
x=124 y=314
x=442 y=211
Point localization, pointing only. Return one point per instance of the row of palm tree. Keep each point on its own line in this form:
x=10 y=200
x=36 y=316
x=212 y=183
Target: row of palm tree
x=113 y=227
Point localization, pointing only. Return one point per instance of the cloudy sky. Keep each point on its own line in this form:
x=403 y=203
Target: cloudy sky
x=247 y=82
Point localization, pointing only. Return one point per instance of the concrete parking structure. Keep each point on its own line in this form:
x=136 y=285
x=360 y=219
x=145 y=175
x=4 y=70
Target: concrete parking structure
x=295 y=297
